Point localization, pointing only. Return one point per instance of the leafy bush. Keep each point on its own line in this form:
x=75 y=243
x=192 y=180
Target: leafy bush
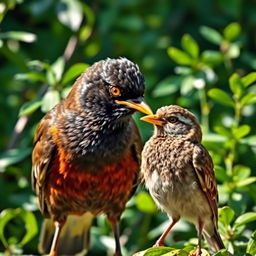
x=196 y=54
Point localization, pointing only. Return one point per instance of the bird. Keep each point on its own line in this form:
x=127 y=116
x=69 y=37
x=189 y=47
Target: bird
x=86 y=155
x=179 y=173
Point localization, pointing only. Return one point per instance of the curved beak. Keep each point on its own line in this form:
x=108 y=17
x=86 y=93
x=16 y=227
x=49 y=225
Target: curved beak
x=137 y=104
x=153 y=119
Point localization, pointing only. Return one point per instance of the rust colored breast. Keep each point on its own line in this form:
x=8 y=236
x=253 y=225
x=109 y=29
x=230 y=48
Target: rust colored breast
x=73 y=190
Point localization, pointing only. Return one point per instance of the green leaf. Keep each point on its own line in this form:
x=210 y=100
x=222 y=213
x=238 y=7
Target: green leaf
x=246 y=182
x=31 y=76
x=211 y=35
x=28 y=219
x=58 y=68
x=241 y=131
x=179 y=56
x=187 y=85
x=223 y=131
x=232 y=31
x=251 y=246
x=145 y=203
x=19 y=36
x=236 y=85
x=212 y=58
x=30 y=107
x=50 y=99
x=221 y=96
x=73 y=72
x=241 y=172
x=222 y=252
x=248 y=99
x=221 y=174
x=167 y=86
x=245 y=218
x=13 y=156
x=250 y=140
x=70 y=13
x=249 y=79
x=233 y=51
x=226 y=215
x=190 y=46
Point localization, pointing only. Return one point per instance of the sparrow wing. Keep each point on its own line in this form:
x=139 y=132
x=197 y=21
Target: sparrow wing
x=204 y=169
x=42 y=155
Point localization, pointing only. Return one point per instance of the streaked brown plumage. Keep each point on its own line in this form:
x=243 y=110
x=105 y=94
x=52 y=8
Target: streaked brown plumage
x=179 y=173
x=86 y=154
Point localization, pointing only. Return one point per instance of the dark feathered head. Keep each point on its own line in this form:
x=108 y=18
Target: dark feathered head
x=112 y=88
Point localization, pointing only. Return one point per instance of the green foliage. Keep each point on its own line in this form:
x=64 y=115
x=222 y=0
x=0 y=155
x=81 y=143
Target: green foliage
x=199 y=55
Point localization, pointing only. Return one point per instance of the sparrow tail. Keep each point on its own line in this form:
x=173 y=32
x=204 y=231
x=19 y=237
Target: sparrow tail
x=214 y=241
x=74 y=237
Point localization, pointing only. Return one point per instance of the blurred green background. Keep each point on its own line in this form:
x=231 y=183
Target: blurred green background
x=199 y=54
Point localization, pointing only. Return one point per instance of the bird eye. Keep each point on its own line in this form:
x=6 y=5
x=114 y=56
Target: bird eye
x=115 y=91
x=172 y=119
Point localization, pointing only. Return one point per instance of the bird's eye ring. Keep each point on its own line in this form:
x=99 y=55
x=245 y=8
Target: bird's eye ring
x=172 y=119
x=115 y=91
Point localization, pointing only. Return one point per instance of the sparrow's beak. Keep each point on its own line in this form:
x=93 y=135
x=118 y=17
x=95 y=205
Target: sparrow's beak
x=153 y=119
x=137 y=104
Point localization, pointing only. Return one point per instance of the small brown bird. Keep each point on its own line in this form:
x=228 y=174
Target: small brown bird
x=86 y=155
x=179 y=173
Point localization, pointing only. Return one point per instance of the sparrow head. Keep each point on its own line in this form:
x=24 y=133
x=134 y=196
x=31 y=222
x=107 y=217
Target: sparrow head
x=176 y=122
x=112 y=88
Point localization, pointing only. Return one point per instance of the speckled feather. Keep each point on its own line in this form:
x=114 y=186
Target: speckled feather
x=178 y=171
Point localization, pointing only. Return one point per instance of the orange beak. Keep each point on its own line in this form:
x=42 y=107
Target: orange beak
x=140 y=106
x=153 y=119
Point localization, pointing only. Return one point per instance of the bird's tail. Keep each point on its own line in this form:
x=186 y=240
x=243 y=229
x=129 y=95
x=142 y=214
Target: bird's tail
x=214 y=240
x=74 y=238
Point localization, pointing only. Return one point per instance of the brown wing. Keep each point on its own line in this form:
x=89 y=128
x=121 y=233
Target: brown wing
x=204 y=168
x=43 y=152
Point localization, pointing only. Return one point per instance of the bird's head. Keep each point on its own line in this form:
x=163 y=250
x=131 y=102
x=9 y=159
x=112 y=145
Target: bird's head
x=112 y=89
x=176 y=122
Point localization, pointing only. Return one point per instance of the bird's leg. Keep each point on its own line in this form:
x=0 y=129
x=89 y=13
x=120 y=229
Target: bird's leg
x=200 y=231
x=54 y=247
x=114 y=225
x=160 y=241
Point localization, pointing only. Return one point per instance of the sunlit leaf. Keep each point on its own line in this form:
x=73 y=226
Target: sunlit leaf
x=226 y=215
x=251 y=246
x=221 y=97
x=57 y=69
x=249 y=79
x=168 y=86
x=73 y=72
x=223 y=131
x=30 y=107
x=233 y=51
x=19 y=35
x=250 y=140
x=246 y=182
x=248 y=99
x=241 y=172
x=190 y=46
x=232 y=31
x=212 y=58
x=241 y=131
x=50 y=99
x=211 y=35
x=70 y=13
x=145 y=203
x=245 y=218
x=179 y=56
x=236 y=85
x=31 y=76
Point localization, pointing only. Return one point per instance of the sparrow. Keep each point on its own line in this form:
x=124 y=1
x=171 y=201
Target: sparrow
x=179 y=174
x=86 y=155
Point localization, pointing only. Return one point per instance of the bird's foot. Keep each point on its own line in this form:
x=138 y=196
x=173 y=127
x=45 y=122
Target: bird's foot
x=198 y=252
x=158 y=244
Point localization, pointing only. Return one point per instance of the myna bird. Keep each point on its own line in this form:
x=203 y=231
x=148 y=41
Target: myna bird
x=86 y=155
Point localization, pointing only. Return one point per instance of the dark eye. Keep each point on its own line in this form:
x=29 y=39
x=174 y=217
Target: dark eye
x=172 y=119
x=115 y=91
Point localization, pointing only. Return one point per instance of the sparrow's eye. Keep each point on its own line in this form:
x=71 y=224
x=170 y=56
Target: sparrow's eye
x=172 y=119
x=115 y=91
